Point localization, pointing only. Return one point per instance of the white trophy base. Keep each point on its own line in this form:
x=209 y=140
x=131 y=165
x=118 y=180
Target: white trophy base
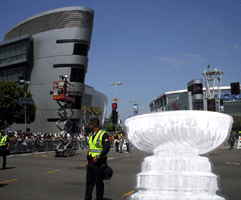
x=176 y=175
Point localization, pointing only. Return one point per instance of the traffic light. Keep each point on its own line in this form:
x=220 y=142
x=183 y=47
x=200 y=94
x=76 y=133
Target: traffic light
x=114 y=116
x=211 y=105
x=235 y=88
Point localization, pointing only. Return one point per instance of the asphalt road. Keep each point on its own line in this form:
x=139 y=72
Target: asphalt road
x=43 y=176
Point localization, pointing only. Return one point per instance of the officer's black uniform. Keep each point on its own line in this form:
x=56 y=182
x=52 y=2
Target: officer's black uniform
x=95 y=171
x=3 y=152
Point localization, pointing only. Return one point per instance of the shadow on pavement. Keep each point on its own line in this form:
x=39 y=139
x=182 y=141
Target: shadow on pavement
x=3 y=185
x=9 y=168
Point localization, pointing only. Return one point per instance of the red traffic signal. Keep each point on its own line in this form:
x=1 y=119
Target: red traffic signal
x=114 y=105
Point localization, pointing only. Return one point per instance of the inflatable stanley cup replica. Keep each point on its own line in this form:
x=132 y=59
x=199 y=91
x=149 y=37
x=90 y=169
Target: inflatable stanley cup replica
x=175 y=171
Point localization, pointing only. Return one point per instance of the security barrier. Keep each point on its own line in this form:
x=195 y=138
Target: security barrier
x=239 y=143
x=17 y=147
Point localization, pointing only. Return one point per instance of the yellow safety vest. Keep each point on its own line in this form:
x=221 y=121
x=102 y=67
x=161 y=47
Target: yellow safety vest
x=95 y=146
x=3 y=141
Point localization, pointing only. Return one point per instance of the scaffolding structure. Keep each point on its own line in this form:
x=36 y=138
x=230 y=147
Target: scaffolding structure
x=213 y=85
x=64 y=94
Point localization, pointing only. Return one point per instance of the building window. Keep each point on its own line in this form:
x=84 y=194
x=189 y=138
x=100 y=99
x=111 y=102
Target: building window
x=12 y=75
x=14 y=52
x=80 y=49
x=198 y=106
x=77 y=75
x=77 y=103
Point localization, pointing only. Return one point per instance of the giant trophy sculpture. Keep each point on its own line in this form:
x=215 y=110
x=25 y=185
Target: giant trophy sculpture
x=175 y=171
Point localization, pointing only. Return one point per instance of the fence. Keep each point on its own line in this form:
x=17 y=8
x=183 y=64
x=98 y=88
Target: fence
x=16 y=147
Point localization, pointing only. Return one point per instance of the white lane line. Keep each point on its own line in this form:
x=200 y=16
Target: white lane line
x=229 y=163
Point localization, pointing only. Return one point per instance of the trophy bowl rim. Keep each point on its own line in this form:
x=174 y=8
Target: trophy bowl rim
x=181 y=113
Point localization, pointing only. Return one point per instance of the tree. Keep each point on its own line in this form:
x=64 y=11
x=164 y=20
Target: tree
x=90 y=110
x=10 y=110
x=97 y=111
x=109 y=127
x=237 y=122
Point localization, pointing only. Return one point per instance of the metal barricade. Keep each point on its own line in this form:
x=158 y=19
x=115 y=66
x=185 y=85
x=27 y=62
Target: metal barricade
x=40 y=145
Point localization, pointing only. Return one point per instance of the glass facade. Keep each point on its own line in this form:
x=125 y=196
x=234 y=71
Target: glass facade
x=16 y=58
x=14 y=52
x=77 y=75
x=12 y=75
x=81 y=49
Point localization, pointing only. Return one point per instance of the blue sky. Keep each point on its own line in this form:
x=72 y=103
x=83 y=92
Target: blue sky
x=150 y=46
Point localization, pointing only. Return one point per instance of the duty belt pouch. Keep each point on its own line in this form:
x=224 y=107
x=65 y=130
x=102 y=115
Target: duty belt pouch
x=104 y=166
x=108 y=172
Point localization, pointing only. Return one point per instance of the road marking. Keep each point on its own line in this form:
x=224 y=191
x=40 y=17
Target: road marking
x=26 y=154
x=127 y=194
x=51 y=171
x=8 y=181
x=42 y=156
x=229 y=163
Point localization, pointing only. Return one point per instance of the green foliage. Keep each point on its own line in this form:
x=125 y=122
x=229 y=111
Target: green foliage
x=109 y=127
x=84 y=108
x=91 y=110
x=97 y=111
x=237 y=121
x=10 y=111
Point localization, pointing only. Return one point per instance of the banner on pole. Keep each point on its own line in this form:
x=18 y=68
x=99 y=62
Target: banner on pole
x=135 y=109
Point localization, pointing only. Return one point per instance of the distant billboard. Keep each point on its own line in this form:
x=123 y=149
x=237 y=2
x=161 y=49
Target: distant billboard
x=135 y=109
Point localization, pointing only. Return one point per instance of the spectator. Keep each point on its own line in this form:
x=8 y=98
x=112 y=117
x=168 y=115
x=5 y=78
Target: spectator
x=116 y=142
x=231 y=140
x=127 y=145
x=121 y=139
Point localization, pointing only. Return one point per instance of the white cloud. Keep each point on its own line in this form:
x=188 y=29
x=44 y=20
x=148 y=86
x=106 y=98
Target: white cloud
x=176 y=61
x=193 y=59
x=236 y=46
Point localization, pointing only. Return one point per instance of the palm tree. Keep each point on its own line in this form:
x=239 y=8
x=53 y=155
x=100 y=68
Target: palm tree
x=84 y=117
x=90 y=110
x=97 y=111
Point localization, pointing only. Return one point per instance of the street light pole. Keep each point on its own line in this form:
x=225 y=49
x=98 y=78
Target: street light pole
x=22 y=81
x=118 y=83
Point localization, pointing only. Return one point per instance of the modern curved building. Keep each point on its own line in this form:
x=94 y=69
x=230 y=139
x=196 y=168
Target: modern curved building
x=42 y=48
x=194 y=98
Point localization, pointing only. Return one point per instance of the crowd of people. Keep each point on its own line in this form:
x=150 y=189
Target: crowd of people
x=118 y=140
x=28 y=136
x=21 y=141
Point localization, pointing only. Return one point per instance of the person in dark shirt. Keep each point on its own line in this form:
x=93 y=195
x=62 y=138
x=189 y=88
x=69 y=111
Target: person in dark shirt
x=99 y=146
x=232 y=140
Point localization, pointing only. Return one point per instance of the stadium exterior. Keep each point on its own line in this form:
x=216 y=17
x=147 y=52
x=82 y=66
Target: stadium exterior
x=194 y=98
x=41 y=49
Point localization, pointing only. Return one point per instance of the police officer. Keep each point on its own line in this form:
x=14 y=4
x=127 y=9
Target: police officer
x=99 y=146
x=4 y=145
